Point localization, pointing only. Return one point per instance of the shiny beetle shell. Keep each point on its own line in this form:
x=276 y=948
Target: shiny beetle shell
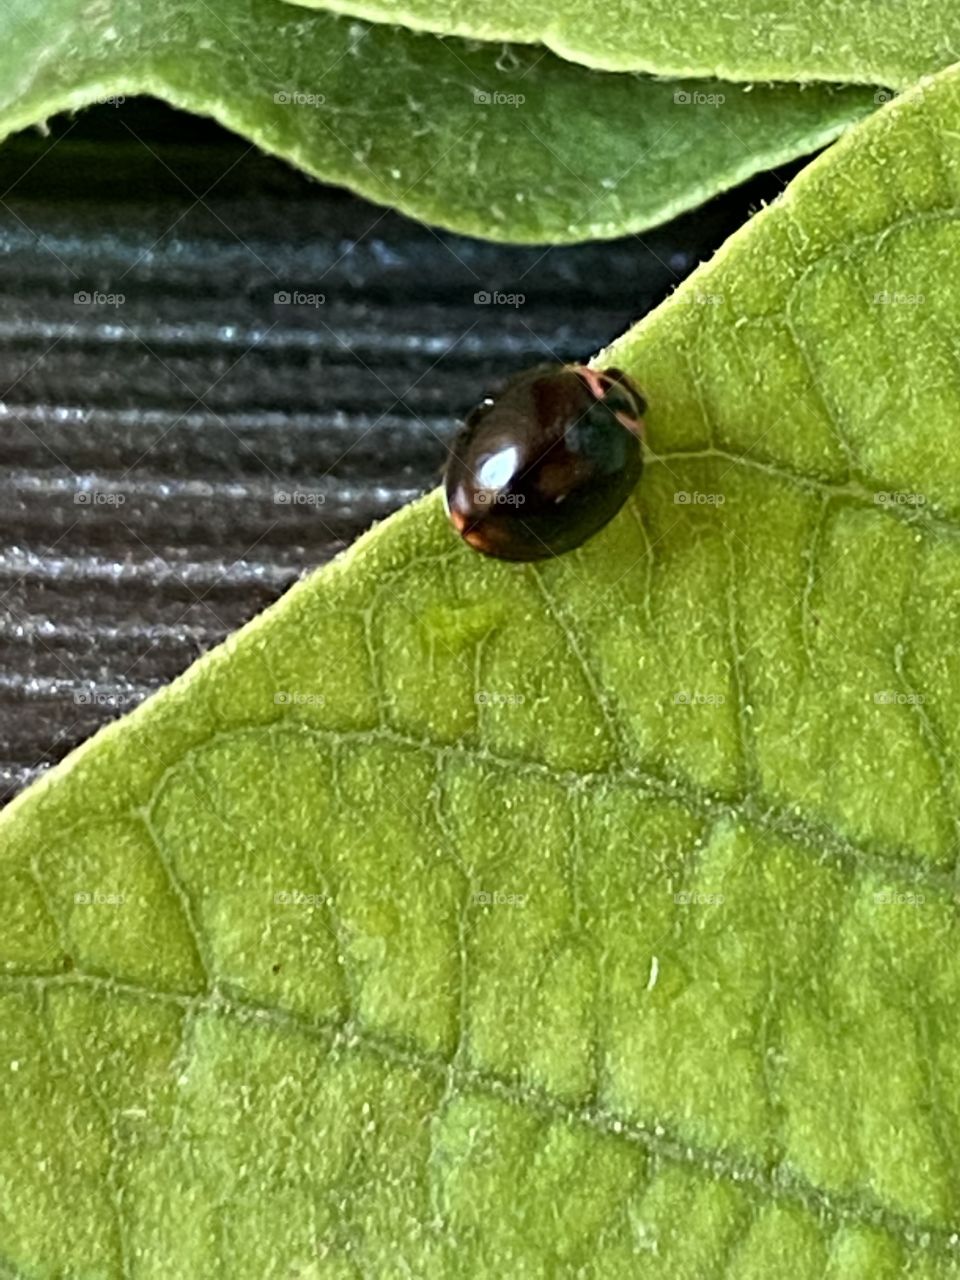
x=543 y=466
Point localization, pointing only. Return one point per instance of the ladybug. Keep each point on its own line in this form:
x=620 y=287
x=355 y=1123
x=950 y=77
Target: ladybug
x=543 y=466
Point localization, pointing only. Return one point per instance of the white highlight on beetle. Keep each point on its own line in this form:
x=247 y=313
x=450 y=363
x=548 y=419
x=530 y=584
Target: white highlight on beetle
x=497 y=470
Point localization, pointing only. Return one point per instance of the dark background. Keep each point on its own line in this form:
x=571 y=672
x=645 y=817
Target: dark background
x=177 y=415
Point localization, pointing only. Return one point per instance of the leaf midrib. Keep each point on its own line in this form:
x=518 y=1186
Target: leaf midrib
x=779 y=1182
x=766 y=815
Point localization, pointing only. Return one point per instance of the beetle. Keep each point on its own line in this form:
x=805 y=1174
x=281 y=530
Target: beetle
x=538 y=469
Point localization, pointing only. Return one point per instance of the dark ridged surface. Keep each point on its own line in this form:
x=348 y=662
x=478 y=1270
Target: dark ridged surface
x=200 y=398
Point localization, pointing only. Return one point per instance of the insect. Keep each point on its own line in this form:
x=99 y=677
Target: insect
x=543 y=466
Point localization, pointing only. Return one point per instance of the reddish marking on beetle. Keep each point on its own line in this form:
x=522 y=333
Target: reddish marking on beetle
x=636 y=425
x=460 y=521
x=592 y=378
x=600 y=382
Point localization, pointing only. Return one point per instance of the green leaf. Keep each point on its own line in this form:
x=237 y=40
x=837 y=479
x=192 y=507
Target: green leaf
x=581 y=156
x=856 y=41
x=642 y=963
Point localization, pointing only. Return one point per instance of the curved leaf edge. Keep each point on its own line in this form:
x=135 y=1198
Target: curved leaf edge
x=368 y=185
x=490 y=32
